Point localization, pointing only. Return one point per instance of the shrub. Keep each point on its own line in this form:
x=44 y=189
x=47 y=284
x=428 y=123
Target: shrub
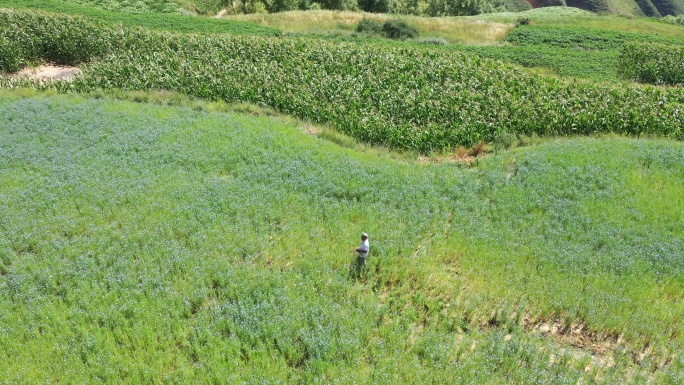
x=455 y=7
x=674 y=19
x=434 y=41
x=399 y=30
x=369 y=26
x=379 y=6
x=255 y=6
x=281 y=5
x=341 y=5
x=523 y=21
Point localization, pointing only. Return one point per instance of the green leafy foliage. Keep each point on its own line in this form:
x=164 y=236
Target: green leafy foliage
x=63 y=40
x=381 y=6
x=455 y=7
x=391 y=29
x=679 y=20
x=579 y=52
x=369 y=26
x=166 y=22
x=523 y=21
x=139 y=6
x=577 y=37
x=653 y=63
x=399 y=30
x=400 y=97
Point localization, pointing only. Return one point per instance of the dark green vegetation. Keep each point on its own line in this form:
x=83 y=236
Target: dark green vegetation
x=142 y=243
x=391 y=29
x=405 y=98
x=167 y=22
x=653 y=63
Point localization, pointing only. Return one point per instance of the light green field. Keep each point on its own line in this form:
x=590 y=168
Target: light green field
x=141 y=243
x=568 y=16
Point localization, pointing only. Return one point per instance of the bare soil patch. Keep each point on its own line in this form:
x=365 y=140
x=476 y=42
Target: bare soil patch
x=576 y=335
x=312 y=130
x=221 y=13
x=50 y=72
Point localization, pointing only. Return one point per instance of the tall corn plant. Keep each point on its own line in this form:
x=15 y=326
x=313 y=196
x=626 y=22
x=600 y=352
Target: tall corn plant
x=652 y=63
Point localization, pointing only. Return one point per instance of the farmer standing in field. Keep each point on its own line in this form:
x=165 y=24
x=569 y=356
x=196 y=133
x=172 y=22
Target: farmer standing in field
x=363 y=251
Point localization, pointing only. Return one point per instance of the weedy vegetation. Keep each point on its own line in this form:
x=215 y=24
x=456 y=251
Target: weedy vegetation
x=143 y=243
x=191 y=234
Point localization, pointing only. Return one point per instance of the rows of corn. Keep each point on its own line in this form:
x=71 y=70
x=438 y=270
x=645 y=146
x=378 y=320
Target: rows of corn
x=401 y=97
x=653 y=63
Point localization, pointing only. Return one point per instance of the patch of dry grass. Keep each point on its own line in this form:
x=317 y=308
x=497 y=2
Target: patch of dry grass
x=454 y=29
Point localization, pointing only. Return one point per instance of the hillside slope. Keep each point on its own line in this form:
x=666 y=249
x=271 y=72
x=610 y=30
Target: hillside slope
x=654 y=8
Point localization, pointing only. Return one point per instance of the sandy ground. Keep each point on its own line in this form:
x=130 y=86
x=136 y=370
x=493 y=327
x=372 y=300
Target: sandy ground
x=50 y=72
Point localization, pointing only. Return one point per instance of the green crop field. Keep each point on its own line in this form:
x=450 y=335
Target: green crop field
x=142 y=243
x=579 y=52
x=524 y=228
x=155 y=21
x=568 y=41
x=400 y=97
x=562 y=39
x=653 y=63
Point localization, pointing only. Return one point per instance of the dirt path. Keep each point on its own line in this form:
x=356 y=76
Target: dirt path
x=50 y=72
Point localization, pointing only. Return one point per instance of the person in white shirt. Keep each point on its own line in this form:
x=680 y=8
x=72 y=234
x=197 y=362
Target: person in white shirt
x=363 y=251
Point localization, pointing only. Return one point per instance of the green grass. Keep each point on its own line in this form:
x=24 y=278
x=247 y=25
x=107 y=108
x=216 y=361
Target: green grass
x=578 y=52
x=167 y=22
x=143 y=243
x=573 y=17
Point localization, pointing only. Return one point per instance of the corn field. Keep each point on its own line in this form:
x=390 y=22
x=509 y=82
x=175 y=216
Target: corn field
x=400 y=97
x=653 y=63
